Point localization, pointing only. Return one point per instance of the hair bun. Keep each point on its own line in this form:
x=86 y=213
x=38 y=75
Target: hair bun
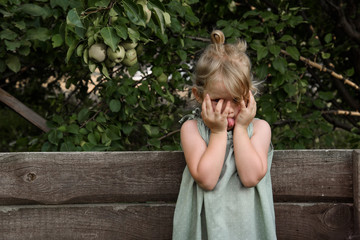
x=217 y=37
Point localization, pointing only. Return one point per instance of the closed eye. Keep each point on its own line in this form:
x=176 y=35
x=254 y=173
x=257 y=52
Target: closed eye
x=236 y=100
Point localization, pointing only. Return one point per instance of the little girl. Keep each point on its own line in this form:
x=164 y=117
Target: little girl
x=226 y=190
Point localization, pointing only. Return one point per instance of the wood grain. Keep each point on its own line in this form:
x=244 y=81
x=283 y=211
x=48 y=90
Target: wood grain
x=96 y=177
x=312 y=175
x=296 y=221
x=103 y=221
x=356 y=187
x=314 y=221
x=102 y=177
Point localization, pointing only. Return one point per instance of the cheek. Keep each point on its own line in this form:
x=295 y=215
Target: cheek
x=237 y=109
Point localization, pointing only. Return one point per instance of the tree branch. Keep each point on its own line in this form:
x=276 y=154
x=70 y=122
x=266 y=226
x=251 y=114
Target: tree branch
x=346 y=25
x=342 y=112
x=324 y=69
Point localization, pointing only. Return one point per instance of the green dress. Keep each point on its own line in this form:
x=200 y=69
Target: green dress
x=230 y=210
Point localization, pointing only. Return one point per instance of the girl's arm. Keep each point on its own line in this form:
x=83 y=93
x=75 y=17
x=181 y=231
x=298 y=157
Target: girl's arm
x=251 y=154
x=205 y=162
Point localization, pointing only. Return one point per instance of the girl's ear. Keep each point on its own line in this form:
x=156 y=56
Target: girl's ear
x=197 y=95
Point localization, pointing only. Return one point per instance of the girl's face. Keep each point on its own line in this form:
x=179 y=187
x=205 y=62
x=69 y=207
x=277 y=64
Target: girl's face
x=217 y=91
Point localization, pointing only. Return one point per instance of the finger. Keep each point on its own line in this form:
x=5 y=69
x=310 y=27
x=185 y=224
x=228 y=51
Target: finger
x=227 y=109
x=208 y=103
x=203 y=107
x=242 y=104
x=252 y=102
x=219 y=106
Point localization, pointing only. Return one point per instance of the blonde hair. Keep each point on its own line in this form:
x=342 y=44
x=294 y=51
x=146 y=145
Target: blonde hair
x=226 y=62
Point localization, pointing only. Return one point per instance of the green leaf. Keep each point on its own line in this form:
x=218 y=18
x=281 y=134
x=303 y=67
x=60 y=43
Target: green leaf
x=102 y=3
x=101 y=118
x=328 y=37
x=70 y=51
x=41 y=34
x=83 y=115
x=20 y=25
x=13 y=63
x=121 y=31
x=155 y=142
x=92 y=139
x=12 y=46
x=256 y=29
x=57 y=40
x=134 y=35
x=294 y=53
x=83 y=131
x=157 y=71
x=73 y=128
x=290 y=89
x=251 y=13
x=159 y=15
x=55 y=136
x=73 y=19
x=158 y=4
x=134 y=13
x=287 y=38
x=67 y=147
x=33 y=10
x=261 y=71
x=325 y=55
x=151 y=130
x=115 y=105
x=8 y=34
x=110 y=37
x=275 y=50
x=182 y=54
x=326 y=95
x=280 y=64
x=61 y=3
x=261 y=53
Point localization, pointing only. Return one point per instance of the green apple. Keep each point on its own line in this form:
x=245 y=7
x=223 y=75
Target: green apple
x=116 y=56
x=97 y=52
x=130 y=58
x=129 y=45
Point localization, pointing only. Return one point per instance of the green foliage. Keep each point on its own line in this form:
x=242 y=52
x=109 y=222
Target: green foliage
x=135 y=102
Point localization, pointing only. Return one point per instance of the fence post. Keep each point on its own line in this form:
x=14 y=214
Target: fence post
x=356 y=188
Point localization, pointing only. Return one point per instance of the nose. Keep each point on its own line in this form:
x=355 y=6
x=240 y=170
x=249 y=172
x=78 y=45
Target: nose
x=231 y=107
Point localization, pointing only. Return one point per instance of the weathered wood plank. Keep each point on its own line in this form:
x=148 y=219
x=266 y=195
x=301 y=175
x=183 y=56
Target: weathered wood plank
x=53 y=178
x=102 y=221
x=101 y=177
x=312 y=175
x=296 y=221
x=356 y=187
x=314 y=221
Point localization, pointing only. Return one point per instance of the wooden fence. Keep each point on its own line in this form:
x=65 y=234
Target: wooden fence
x=131 y=195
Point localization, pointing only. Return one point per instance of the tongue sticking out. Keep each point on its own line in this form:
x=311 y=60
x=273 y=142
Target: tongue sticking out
x=231 y=123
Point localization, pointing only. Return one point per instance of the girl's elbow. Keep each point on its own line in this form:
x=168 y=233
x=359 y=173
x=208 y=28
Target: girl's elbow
x=206 y=185
x=250 y=182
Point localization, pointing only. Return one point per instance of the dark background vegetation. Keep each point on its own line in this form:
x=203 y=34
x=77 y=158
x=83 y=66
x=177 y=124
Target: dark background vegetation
x=43 y=63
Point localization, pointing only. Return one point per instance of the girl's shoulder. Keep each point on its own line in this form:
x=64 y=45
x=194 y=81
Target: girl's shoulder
x=260 y=125
x=190 y=124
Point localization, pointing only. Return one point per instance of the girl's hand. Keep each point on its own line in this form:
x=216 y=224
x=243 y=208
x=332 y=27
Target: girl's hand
x=214 y=118
x=246 y=113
